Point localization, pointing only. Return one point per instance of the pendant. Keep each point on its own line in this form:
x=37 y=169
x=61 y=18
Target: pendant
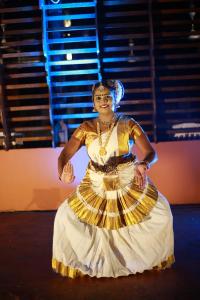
x=102 y=151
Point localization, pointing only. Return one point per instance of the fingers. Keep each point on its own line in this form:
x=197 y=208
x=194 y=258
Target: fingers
x=140 y=179
x=68 y=173
x=68 y=168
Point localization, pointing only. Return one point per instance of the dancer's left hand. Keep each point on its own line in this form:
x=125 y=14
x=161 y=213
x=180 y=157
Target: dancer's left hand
x=140 y=175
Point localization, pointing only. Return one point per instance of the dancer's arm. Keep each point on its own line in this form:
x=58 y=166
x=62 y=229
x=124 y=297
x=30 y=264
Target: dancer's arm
x=149 y=154
x=142 y=142
x=149 y=157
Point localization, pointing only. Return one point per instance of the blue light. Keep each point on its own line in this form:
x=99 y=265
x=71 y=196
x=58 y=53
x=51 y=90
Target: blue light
x=71 y=17
x=74 y=83
x=112 y=59
x=72 y=94
x=75 y=72
x=118 y=2
x=70 y=5
x=73 y=40
x=74 y=62
x=73 y=105
x=75 y=116
x=116 y=49
x=73 y=51
x=60 y=32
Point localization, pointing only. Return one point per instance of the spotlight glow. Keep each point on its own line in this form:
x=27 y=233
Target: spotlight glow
x=69 y=56
x=67 y=23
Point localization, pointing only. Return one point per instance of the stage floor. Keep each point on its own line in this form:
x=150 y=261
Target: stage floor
x=26 y=274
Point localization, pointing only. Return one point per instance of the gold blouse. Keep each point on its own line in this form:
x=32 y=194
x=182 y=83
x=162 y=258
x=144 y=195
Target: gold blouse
x=128 y=129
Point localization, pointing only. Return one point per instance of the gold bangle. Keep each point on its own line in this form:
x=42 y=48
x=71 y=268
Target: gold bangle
x=146 y=163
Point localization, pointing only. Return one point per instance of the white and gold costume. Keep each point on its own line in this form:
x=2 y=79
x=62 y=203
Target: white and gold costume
x=109 y=227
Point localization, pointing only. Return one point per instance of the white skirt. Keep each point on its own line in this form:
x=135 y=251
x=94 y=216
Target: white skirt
x=82 y=249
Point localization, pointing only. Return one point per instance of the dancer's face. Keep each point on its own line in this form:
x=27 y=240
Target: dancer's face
x=104 y=101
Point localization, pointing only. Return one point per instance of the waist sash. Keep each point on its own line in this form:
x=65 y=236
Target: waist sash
x=112 y=163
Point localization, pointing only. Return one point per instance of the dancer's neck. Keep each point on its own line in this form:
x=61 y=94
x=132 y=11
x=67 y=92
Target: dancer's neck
x=106 y=117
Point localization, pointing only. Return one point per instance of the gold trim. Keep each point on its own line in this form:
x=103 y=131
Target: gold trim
x=166 y=263
x=85 y=133
x=135 y=129
x=72 y=273
x=131 y=206
x=80 y=133
x=66 y=271
x=123 y=137
x=111 y=182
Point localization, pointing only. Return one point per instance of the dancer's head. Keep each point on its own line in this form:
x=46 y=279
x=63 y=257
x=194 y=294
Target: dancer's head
x=106 y=95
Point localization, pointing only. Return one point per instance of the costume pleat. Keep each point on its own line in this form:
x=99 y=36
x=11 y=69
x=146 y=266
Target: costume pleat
x=130 y=206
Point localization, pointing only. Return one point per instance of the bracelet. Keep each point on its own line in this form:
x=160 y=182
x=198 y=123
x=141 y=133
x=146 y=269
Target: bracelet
x=144 y=162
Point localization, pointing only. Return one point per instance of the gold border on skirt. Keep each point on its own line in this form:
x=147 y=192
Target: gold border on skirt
x=70 y=272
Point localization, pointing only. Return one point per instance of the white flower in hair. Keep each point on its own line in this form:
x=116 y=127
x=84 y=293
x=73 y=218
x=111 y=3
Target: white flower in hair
x=119 y=90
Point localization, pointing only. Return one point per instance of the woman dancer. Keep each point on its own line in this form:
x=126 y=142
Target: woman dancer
x=116 y=223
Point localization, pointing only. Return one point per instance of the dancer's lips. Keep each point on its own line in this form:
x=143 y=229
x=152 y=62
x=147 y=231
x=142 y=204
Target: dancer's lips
x=104 y=106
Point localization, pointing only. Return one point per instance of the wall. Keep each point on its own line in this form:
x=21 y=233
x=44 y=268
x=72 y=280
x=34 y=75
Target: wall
x=29 y=176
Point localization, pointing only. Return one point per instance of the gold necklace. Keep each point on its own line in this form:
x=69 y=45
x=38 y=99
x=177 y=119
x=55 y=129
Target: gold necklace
x=107 y=123
x=102 y=150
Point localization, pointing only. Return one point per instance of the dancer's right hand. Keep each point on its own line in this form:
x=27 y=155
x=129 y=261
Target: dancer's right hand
x=68 y=173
